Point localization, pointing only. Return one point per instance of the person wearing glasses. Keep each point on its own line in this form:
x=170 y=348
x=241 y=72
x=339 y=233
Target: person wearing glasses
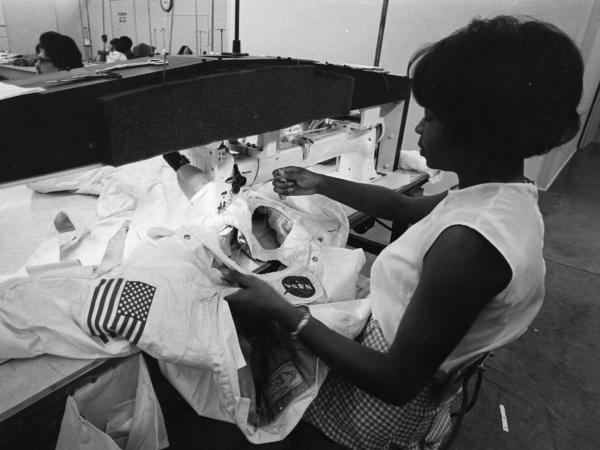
x=56 y=52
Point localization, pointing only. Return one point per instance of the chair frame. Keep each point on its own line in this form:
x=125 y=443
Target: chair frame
x=468 y=397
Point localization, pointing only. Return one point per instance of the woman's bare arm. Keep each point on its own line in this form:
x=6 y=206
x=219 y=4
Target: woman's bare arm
x=461 y=273
x=373 y=200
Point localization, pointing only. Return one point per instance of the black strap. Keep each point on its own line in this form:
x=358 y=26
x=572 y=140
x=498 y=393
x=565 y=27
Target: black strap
x=175 y=160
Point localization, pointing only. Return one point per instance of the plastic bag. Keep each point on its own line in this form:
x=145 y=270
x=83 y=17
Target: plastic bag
x=117 y=411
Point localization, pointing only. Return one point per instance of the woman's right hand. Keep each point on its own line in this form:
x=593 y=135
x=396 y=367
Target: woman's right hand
x=293 y=180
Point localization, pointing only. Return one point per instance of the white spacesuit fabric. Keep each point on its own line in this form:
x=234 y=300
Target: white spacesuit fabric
x=37 y=313
x=157 y=288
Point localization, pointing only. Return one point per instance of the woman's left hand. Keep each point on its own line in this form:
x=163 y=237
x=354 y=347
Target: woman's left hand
x=255 y=295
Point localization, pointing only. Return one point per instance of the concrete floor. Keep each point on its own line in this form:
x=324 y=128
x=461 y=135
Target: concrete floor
x=548 y=381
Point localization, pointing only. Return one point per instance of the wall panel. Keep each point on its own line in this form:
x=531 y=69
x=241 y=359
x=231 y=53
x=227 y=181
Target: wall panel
x=346 y=31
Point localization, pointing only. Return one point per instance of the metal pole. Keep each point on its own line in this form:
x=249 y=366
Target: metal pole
x=402 y=128
x=56 y=15
x=384 y=9
x=196 y=17
x=171 y=31
x=87 y=14
x=112 y=25
x=82 y=29
x=212 y=26
x=104 y=20
x=221 y=30
x=149 y=23
x=135 y=22
x=237 y=45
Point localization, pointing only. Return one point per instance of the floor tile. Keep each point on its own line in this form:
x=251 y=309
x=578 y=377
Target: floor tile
x=581 y=176
x=572 y=234
x=548 y=379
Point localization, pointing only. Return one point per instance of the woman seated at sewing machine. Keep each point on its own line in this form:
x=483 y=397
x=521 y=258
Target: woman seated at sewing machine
x=56 y=52
x=468 y=275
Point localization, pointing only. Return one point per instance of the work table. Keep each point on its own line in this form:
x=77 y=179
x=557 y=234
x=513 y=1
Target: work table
x=29 y=384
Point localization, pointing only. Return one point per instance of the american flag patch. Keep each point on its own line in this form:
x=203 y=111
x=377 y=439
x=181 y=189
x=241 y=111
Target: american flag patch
x=120 y=308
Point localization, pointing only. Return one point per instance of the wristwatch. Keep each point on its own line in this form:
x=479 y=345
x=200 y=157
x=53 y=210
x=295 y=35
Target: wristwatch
x=303 y=322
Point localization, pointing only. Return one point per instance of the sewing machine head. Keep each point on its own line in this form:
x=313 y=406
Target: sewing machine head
x=343 y=147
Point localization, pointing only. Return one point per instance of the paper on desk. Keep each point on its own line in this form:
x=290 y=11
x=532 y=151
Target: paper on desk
x=10 y=90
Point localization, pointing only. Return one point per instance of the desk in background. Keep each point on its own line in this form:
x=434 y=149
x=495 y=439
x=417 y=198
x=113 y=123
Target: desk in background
x=11 y=72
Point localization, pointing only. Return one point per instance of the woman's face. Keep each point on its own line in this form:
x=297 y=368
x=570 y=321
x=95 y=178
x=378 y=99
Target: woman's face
x=43 y=64
x=436 y=143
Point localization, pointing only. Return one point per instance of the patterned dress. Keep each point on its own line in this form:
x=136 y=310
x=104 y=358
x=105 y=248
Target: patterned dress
x=358 y=420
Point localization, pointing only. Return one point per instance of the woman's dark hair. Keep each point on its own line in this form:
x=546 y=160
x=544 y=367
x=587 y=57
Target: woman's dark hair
x=509 y=85
x=142 y=50
x=123 y=45
x=185 y=50
x=61 y=50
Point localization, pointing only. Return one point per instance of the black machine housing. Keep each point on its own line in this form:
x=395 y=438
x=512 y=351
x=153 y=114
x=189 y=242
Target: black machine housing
x=192 y=101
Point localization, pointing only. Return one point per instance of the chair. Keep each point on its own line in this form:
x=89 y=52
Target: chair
x=461 y=386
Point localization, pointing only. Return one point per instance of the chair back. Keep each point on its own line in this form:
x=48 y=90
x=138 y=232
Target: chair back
x=450 y=386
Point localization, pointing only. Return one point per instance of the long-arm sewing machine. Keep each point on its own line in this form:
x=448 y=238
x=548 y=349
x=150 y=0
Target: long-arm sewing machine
x=192 y=102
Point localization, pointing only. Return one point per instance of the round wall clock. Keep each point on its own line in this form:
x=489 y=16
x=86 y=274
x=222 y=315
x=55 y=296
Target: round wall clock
x=166 y=5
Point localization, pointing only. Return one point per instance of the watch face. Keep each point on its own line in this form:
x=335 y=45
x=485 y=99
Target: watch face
x=166 y=5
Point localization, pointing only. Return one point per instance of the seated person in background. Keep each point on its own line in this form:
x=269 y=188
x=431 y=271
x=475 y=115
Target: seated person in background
x=115 y=55
x=25 y=60
x=468 y=276
x=56 y=52
x=123 y=45
x=185 y=50
x=104 y=52
x=141 y=50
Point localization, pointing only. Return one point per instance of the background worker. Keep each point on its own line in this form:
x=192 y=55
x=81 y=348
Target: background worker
x=56 y=52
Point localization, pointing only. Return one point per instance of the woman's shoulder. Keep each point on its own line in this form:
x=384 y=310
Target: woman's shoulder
x=115 y=56
x=487 y=191
x=499 y=211
x=496 y=199
x=506 y=215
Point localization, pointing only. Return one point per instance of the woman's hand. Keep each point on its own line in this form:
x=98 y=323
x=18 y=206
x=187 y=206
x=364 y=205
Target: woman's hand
x=255 y=295
x=295 y=181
